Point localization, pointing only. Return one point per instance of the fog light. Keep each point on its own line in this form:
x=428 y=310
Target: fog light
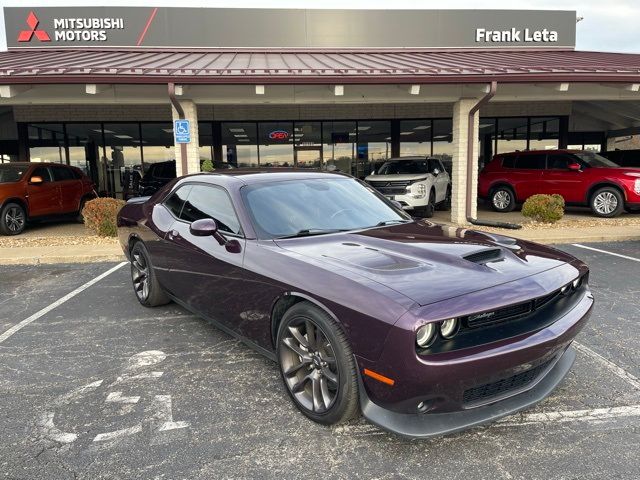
x=425 y=335
x=449 y=328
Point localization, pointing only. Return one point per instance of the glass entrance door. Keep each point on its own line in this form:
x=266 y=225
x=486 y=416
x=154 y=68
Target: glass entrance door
x=308 y=157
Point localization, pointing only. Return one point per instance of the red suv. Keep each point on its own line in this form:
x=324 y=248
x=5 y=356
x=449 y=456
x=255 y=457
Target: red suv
x=36 y=190
x=581 y=177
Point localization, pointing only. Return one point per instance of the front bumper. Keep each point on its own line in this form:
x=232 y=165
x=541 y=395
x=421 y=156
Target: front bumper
x=431 y=425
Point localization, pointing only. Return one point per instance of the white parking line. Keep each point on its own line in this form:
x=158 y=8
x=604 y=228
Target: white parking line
x=19 y=326
x=633 y=259
x=615 y=369
x=592 y=415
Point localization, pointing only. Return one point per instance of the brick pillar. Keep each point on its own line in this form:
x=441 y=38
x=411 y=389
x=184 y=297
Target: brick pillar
x=459 y=168
x=193 y=148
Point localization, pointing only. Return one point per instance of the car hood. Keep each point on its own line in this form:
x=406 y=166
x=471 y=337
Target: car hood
x=427 y=262
x=396 y=178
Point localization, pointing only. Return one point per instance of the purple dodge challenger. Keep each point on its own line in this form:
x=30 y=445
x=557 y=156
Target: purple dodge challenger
x=425 y=329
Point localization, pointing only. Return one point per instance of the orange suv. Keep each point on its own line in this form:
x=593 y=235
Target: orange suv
x=36 y=190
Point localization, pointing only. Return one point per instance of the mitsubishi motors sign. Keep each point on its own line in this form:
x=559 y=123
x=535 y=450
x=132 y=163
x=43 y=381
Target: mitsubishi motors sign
x=99 y=27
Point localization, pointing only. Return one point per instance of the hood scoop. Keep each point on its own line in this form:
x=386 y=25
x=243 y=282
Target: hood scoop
x=486 y=255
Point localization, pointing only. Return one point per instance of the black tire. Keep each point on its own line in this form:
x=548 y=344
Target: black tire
x=319 y=376
x=427 y=211
x=13 y=219
x=445 y=205
x=145 y=284
x=606 y=202
x=80 y=216
x=502 y=199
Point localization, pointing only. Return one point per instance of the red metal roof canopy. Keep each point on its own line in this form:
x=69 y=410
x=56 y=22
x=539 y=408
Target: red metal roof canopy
x=314 y=66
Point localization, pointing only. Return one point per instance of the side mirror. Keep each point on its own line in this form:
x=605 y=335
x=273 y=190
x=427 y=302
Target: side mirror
x=436 y=171
x=575 y=167
x=207 y=227
x=36 y=180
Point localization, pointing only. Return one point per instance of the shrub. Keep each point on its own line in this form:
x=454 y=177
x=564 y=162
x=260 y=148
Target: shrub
x=100 y=216
x=207 y=166
x=544 y=208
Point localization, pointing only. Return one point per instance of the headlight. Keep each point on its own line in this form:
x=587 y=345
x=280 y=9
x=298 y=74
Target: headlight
x=449 y=328
x=576 y=282
x=636 y=186
x=425 y=335
x=418 y=190
x=566 y=288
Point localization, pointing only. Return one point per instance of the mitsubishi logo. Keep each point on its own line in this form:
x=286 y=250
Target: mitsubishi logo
x=32 y=22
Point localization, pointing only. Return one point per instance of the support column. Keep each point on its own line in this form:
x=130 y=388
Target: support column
x=193 y=148
x=459 y=164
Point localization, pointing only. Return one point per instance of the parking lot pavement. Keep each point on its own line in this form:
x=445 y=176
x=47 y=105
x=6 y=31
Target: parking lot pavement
x=101 y=387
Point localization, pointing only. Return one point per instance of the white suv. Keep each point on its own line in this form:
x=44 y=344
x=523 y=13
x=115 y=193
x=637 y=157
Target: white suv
x=419 y=184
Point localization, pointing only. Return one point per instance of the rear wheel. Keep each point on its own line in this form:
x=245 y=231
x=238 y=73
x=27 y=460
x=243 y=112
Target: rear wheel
x=427 y=211
x=13 y=219
x=607 y=202
x=317 y=365
x=145 y=284
x=502 y=199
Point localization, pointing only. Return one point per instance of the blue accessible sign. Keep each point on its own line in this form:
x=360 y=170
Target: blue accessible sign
x=181 y=131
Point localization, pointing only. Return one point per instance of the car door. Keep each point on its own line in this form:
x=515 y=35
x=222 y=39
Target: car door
x=70 y=188
x=560 y=180
x=204 y=275
x=527 y=174
x=441 y=180
x=43 y=198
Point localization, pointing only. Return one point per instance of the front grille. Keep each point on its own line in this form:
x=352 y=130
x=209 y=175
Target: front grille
x=507 y=313
x=396 y=187
x=495 y=389
x=539 y=302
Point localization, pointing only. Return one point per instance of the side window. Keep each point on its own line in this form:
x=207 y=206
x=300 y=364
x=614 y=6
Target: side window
x=211 y=202
x=531 y=162
x=560 y=161
x=42 y=172
x=61 y=174
x=509 y=161
x=175 y=202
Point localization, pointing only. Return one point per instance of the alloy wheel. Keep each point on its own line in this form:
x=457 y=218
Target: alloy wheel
x=140 y=276
x=309 y=366
x=501 y=199
x=605 y=203
x=14 y=219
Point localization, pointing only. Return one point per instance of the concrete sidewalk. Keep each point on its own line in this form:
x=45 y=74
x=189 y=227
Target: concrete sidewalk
x=35 y=255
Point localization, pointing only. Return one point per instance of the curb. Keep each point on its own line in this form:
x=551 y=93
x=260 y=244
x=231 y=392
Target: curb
x=47 y=260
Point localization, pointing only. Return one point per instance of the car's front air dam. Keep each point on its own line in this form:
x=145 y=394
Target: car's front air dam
x=441 y=382
x=435 y=424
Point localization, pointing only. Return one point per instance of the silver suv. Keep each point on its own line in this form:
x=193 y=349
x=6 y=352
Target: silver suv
x=419 y=184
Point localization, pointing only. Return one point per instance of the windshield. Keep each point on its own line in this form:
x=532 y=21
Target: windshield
x=404 y=167
x=595 y=160
x=316 y=206
x=11 y=173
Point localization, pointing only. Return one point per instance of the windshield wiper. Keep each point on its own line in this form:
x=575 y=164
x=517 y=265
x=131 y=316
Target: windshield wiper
x=308 y=232
x=391 y=222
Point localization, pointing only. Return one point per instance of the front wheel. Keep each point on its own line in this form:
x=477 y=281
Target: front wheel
x=317 y=365
x=145 y=284
x=502 y=199
x=13 y=219
x=607 y=202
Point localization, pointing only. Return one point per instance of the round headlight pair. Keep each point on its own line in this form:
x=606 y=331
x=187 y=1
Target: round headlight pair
x=426 y=334
x=576 y=283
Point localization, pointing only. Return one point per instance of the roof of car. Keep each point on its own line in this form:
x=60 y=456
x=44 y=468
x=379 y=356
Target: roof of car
x=40 y=164
x=555 y=150
x=260 y=175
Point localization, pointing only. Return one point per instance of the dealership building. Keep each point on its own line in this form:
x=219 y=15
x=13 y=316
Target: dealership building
x=101 y=87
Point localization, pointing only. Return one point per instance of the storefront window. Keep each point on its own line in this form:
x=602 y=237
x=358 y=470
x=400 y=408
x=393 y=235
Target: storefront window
x=46 y=142
x=157 y=143
x=512 y=135
x=307 y=141
x=240 y=144
x=338 y=145
x=205 y=140
x=374 y=146
x=275 y=140
x=486 y=136
x=442 y=142
x=544 y=133
x=123 y=157
x=415 y=138
x=85 y=150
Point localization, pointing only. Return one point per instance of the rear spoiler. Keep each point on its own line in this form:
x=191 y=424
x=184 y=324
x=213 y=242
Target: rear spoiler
x=138 y=199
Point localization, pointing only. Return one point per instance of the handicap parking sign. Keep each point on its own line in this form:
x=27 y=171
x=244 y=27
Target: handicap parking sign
x=181 y=131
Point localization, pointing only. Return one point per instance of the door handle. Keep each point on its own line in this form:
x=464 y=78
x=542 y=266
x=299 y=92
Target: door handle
x=173 y=235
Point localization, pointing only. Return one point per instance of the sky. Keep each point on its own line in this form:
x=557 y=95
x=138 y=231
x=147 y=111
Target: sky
x=609 y=25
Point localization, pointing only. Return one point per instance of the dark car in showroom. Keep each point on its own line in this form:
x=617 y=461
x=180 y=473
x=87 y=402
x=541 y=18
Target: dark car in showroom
x=32 y=191
x=425 y=329
x=582 y=178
